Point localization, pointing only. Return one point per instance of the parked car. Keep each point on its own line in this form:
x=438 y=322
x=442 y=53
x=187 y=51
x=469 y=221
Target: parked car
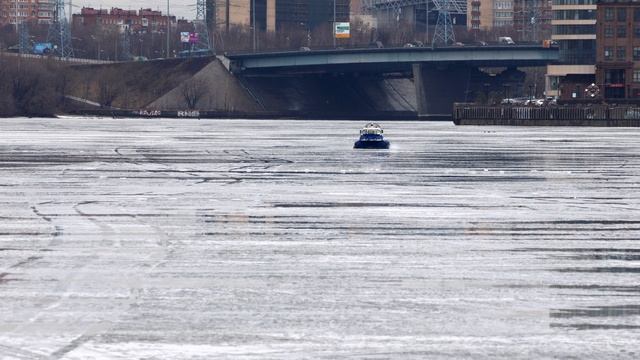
x=514 y=101
x=506 y=40
x=195 y=53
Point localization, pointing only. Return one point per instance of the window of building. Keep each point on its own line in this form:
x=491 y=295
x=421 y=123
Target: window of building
x=636 y=14
x=636 y=76
x=614 y=76
x=636 y=53
x=608 y=53
x=608 y=31
x=622 y=14
x=637 y=31
x=608 y=14
x=621 y=53
x=621 y=31
x=554 y=82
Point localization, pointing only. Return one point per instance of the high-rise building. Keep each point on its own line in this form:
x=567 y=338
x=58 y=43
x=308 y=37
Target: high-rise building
x=416 y=13
x=272 y=15
x=488 y=14
x=532 y=19
x=574 y=30
x=618 y=49
x=45 y=11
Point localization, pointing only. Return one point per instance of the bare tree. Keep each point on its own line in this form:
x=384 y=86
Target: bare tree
x=108 y=88
x=192 y=91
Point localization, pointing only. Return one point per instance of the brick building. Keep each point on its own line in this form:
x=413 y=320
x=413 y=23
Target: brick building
x=143 y=20
x=574 y=29
x=618 y=49
x=40 y=11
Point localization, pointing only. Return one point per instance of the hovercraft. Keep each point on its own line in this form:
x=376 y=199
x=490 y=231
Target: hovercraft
x=371 y=138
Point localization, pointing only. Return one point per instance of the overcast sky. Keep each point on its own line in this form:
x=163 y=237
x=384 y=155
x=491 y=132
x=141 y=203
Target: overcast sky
x=180 y=8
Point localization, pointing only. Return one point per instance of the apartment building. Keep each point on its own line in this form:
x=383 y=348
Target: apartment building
x=40 y=11
x=574 y=29
x=26 y=10
x=45 y=11
x=138 y=21
x=488 y=14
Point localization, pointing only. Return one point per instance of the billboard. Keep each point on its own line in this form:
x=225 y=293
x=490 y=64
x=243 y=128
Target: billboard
x=193 y=38
x=184 y=37
x=342 y=30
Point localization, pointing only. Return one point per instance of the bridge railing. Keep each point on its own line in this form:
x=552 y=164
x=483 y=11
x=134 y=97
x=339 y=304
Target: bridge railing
x=578 y=113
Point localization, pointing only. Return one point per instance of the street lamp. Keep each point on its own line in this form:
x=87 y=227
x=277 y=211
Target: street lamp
x=168 y=29
x=253 y=6
x=333 y=31
x=530 y=93
x=97 y=39
x=426 y=21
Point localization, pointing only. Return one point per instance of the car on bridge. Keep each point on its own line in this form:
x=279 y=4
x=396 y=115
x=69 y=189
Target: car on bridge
x=195 y=53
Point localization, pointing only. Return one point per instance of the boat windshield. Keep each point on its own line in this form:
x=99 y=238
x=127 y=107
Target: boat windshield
x=371 y=129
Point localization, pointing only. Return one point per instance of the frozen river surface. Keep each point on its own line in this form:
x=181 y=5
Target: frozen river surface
x=209 y=239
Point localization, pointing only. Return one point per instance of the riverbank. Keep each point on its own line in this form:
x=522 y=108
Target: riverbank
x=266 y=115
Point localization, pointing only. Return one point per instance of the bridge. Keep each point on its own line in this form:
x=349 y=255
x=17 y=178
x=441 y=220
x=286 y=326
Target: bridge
x=441 y=76
x=388 y=60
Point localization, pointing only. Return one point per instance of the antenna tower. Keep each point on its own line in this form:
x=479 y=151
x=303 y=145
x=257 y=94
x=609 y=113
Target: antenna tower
x=201 y=27
x=444 y=27
x=60 y=31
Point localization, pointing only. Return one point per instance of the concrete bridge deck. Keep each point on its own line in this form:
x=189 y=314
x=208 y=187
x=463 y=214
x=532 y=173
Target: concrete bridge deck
x=388 y=60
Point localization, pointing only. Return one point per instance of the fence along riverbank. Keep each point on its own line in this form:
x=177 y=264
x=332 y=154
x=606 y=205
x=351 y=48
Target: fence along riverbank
x=566 y=115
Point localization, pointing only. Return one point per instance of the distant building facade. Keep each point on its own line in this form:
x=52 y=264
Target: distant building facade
x=618 y=49
x=486 y=15
x=40 y=11
x=272 y=15
x=144 y=20
x=574 y=30
x=532 y=19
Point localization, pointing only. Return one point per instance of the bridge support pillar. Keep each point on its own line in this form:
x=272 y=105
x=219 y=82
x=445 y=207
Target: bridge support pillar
x=438 y=87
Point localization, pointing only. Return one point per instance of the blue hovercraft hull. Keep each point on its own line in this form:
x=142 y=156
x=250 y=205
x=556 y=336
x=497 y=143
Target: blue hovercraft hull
x=367 y=144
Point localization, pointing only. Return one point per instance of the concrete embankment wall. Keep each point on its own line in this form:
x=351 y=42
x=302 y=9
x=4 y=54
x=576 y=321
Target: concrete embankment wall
x=130 y=85
x=213 y=88
x=206 y=85
x=302 y=95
